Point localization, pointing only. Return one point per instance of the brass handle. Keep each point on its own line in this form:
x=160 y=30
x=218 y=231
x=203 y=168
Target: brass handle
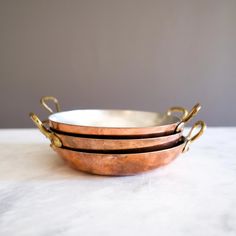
x=193 y=112
x=191 y=137
x=43 y=101
x=178 y=109
x=196 y=108
x=49 y=134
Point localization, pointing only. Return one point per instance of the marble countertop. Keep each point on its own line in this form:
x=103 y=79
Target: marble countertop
x=194 y=195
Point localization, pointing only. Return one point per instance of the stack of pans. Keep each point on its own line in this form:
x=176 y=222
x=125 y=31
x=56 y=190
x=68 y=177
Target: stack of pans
x=118 y=142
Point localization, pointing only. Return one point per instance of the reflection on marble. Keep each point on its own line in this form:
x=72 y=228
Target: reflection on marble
x=40 y=195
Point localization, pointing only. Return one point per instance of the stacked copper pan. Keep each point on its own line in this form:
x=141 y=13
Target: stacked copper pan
x=118 y=142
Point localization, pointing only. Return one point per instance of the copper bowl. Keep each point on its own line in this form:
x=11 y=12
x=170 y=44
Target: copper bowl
x=117 y=122
x=100 y=143
x=120 y=164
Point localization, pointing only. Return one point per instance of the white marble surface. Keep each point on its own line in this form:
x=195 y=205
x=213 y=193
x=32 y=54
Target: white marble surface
x=40 y=195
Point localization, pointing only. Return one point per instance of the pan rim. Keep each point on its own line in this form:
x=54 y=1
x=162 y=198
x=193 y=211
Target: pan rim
x=114 y=138
x=148 y=152
x=172 y=119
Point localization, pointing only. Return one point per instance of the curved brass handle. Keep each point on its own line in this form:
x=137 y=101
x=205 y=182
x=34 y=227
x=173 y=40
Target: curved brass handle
x=49 y=134
x=43 y=101
x=196 y=108
x=193 y=112
x=178 y=109
x=191 y=137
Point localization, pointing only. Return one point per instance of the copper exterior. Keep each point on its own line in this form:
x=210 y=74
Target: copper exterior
x=118 y=150
x=119 y=164
x=138 y=132
x=118 y=144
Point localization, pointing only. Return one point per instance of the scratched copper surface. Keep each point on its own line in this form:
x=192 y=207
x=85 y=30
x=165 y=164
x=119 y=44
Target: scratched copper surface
x=119 y=164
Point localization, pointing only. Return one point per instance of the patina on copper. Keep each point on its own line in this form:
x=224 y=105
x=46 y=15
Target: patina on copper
x=118 y=164
x=100 y=143
x=59 y=139
x=105 y=131
x=127 y=164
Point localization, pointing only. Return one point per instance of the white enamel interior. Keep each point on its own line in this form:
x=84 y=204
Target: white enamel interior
x=113 y=118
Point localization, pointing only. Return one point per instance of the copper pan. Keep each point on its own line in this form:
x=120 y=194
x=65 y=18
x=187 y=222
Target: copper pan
x=127 y=164
x=99 y=143
x=117 y=122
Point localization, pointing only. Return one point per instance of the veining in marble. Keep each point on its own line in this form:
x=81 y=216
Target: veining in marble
x=40 y=195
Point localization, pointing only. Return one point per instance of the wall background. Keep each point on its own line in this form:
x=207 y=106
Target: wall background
x=147 y=55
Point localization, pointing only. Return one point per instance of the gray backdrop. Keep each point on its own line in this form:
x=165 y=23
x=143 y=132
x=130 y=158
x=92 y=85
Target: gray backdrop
x=145 y=55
